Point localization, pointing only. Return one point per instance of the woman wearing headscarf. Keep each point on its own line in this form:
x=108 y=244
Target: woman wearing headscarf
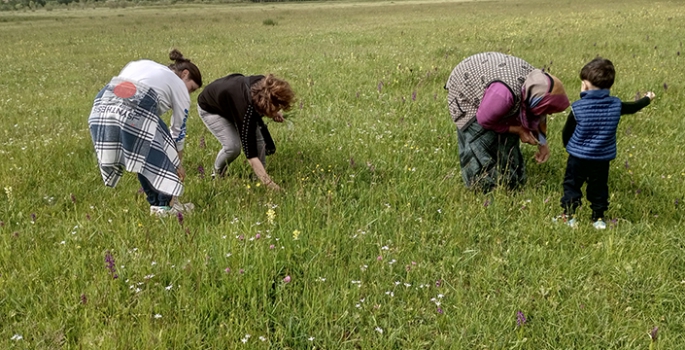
x=497 y=101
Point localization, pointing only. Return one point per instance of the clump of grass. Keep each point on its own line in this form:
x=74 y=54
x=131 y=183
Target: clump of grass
x=269 y=22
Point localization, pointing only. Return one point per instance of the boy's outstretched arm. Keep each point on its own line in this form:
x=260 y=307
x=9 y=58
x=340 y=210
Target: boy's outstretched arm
x=634 y=107
x=569 y=128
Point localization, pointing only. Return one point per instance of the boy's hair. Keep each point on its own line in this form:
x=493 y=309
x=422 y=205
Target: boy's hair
x=599 y=72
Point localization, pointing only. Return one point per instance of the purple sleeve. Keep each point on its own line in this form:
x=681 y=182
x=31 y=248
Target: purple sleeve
x=496 y=103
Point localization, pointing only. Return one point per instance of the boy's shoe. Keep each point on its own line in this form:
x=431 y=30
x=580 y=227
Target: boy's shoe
x=563 y=218
x=599 y=224
x=163 y=211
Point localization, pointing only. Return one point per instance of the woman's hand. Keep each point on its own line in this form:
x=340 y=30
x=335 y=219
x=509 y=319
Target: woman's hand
x=181 y=172
x=542 y=155
x=259 y=170
x=273 y=186
x=525 y=134
x=278 y=118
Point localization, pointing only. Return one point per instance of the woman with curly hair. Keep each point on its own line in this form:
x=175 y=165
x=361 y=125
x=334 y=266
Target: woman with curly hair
x=232 y=108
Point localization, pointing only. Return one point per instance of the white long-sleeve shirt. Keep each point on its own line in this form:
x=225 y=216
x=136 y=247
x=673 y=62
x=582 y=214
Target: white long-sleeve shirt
x=171 y=90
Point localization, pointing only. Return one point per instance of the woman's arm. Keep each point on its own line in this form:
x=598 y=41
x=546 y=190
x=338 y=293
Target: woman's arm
x=259 y=170
x=180 y=105
x=496 y=104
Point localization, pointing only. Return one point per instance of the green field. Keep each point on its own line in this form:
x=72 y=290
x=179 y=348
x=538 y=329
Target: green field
x=383 y=245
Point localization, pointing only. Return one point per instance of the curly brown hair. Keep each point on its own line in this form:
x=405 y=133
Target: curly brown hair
x=271 y=94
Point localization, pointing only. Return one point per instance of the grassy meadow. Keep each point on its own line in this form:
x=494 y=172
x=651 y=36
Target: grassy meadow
x=374 y=243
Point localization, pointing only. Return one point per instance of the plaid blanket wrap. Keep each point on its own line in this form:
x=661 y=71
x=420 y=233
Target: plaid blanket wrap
x=128 y=134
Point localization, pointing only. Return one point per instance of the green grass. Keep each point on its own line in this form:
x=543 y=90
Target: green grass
x=371 y=179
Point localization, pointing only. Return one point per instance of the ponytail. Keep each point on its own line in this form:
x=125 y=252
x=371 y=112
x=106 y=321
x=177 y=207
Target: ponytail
x=181 y=63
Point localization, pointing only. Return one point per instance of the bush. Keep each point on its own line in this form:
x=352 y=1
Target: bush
x=269 y=22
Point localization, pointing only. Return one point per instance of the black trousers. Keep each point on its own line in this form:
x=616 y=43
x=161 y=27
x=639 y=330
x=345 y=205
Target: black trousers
x=596 y=174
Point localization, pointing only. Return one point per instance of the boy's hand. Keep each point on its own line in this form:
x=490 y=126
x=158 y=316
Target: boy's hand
x=650 y=94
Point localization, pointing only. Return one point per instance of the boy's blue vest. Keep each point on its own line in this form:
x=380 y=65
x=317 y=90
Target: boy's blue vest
x=597 y=115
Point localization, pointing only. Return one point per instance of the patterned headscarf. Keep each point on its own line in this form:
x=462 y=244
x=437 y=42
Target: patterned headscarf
x=543 y=94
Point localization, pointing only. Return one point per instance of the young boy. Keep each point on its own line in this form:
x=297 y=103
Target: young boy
x=590 y=140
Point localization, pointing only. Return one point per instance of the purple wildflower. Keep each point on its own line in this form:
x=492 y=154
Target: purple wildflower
x=440 y=311
x=272 y=246
x=84 y=299
x=202 y=142
x=73 y=198
x=201 y=171
x=487 y=203
x=665 y=86
x=88 y=216
x=257 y=236
x=242 y=271
x=141 y=190
x=227 y=270
x=111 y=266
x=380 y=86
x=520 y=319
x=179 y=216
x=286 y=279
x=438 y=283
x=654 y=334
x=33 y=217
x=413 y=96
x=676 y=202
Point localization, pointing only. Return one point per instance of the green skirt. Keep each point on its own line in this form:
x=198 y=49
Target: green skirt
x=489 y=159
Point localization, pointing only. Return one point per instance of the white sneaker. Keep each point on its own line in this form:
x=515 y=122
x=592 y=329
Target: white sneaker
x=163 y=211
x=184 y=207
x=563 y=218
x=599 y=224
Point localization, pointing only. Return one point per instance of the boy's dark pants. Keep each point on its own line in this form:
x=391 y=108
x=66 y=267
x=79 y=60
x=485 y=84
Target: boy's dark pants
x=596 y=174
